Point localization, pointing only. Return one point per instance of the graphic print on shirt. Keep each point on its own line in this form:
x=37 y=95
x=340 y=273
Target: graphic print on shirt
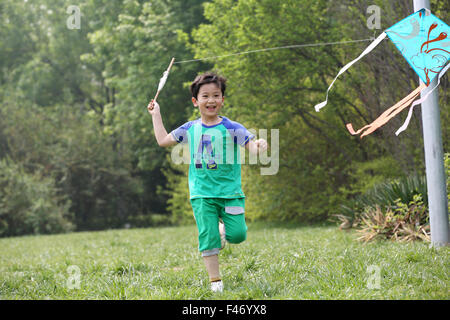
x=209 y=157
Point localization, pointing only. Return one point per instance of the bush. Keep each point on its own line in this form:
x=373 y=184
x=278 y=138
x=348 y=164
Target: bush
x=29 y=203
x=402 y=222
x=149 y=220
x=405 y=188
x=384 y=195
x=90 y=166
x=177 y=190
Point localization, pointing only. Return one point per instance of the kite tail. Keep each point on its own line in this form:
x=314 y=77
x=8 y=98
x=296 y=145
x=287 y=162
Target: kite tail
x=388 y=114
x=348 y=65
x=353 y=132
x=408 y=118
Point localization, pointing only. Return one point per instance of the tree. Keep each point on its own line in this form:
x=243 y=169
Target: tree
x=279 y=88
x=135 y=47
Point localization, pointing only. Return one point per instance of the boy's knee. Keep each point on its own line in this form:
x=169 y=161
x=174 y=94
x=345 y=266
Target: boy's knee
x=238 y=236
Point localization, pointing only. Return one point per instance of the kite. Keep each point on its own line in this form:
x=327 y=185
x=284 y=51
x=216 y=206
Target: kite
x=423 y=40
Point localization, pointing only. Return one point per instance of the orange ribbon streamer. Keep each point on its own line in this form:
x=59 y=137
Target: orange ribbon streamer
x=388 y=114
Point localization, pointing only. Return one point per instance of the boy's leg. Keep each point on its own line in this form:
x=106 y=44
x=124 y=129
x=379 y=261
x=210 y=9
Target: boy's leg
x=206 y=213
x=212 y=267
x=233 y=217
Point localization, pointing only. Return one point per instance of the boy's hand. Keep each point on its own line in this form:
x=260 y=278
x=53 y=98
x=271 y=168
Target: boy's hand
x=153 y=107
x=261 y=144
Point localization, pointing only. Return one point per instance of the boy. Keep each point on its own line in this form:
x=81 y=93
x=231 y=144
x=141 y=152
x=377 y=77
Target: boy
x=214 y=170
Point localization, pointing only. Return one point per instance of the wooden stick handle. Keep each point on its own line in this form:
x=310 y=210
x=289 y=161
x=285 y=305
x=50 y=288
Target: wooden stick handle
x=156 y=96
x=171 y=63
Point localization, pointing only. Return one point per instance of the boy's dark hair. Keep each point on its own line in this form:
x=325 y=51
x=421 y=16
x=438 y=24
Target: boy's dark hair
x=208 y=77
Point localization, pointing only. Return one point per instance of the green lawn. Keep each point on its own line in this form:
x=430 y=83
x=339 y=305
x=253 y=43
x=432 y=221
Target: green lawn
x=275 y=262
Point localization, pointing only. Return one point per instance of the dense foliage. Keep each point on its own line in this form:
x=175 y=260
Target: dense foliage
x=29 y=203
x=74 y=125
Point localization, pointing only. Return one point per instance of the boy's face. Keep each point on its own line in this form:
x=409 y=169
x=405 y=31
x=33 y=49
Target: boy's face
x=209 y=100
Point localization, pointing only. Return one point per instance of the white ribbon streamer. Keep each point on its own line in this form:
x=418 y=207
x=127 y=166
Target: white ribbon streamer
x=163 y=80
x=347 y=66
x=422 y=99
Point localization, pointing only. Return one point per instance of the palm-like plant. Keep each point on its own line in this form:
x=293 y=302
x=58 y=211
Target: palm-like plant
x=374 y=209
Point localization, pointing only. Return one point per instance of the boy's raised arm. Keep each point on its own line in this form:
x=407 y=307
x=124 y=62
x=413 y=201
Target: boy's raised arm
x=163 y=138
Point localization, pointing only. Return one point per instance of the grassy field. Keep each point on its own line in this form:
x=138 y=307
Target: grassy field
x=276 y=262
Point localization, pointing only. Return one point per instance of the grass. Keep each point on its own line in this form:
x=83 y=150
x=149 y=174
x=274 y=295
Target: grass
x=275 y=262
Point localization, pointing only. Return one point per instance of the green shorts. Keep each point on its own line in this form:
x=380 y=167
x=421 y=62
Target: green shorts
x=207 y=212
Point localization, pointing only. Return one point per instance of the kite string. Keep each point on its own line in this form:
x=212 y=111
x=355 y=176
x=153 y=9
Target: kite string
x=276 y=48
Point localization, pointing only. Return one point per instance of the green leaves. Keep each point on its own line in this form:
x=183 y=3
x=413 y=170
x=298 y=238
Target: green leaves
x=30 y=203
x=405 y=188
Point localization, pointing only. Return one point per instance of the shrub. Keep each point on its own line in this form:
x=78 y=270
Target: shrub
x=402 y=222
x=405 y=189
x=29 y=203
x=149 y=220
x=91 y=167
x=383 y=195
x=177 y=191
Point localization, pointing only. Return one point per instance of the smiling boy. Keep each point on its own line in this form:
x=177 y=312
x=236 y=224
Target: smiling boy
x=215 y=169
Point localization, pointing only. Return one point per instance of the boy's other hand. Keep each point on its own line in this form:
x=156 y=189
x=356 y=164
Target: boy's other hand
x=153 y=107
x=261 y=144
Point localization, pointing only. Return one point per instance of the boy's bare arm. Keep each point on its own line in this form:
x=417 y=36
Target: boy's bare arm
x=162 y=137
